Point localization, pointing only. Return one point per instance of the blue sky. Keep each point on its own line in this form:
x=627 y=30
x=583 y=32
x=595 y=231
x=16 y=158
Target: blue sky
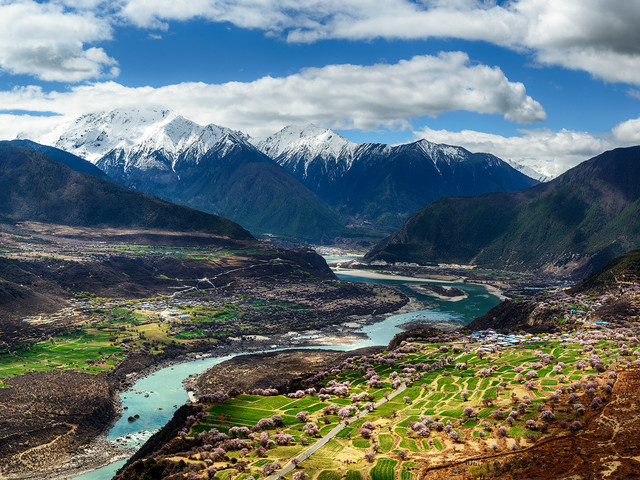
x=538 y=82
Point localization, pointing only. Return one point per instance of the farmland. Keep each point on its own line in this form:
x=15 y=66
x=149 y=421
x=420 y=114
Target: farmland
x=464 y=399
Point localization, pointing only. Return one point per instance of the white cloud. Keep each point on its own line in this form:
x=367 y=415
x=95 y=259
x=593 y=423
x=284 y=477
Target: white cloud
x=53 y=40
x=544 y=151
x=598 y=36
x=26 y=126
x=342 y=96
x=48 y=42
x=628 y=132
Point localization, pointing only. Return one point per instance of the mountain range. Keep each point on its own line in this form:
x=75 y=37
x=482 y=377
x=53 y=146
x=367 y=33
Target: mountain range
x=568 y=226
x=303 y=182
x=382 y=184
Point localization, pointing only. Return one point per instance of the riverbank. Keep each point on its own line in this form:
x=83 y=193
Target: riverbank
x=285 y=370
x=350 y=272
x=491 y=289
x=453 y=294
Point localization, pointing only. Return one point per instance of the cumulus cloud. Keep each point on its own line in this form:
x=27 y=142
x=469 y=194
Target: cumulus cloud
x=598 y=36
x=49 y=42
x=544 y=151
x=628 y=132
x=341 y=96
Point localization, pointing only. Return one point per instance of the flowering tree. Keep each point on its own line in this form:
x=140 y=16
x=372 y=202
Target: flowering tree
x=311 y=429
x=269 y=468
x=547 y=415
x=264 y=423
x=283 y=438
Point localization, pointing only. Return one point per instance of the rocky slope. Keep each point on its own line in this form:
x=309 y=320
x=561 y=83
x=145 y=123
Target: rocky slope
x=608 y=295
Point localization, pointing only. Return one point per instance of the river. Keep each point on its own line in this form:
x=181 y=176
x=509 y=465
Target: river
x=156 y=397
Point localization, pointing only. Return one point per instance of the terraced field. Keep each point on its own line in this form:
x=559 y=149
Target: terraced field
x=459 y=403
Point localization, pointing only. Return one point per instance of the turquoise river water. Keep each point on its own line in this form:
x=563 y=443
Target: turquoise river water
x=156 y=397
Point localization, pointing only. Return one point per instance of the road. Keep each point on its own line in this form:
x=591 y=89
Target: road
x=323 y=441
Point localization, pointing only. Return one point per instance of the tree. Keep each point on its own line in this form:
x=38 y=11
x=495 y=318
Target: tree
x=283 y=438
x=575 y=426
x=302 y=416
x=269 y=468
x=547 y=415
x=311 y=429
x=264 y=423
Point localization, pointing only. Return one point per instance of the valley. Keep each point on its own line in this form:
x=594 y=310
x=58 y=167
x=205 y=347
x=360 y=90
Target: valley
x=468 y=405
x=114 y=308
x=144 y=339
x=361 y=240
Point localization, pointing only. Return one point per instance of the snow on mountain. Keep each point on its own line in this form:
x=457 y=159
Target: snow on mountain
x=534 y=170
x=144 y=138
x=92 y=135
x=307 y=142
x=446 y=152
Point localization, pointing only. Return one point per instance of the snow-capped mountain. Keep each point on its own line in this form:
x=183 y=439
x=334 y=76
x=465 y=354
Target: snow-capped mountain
x=309 y=143
x=209 y=167
x=534 y=170
x=326 y=175
x=137 y=138
x=384 y=184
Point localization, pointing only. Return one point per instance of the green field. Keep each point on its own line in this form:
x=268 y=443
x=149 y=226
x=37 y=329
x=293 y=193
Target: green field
x=394 y=446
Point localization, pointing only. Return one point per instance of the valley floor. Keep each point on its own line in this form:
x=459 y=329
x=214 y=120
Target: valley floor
x=480 y=405
x=117 y=304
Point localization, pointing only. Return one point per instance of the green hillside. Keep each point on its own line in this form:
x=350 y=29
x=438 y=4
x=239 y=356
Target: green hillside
x=35 y=187
x=568 y=226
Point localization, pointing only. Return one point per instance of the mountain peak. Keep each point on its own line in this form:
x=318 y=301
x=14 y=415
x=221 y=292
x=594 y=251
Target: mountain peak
x=449 y=151
x=307 y=139
x=92 y=135
x=129 y=133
